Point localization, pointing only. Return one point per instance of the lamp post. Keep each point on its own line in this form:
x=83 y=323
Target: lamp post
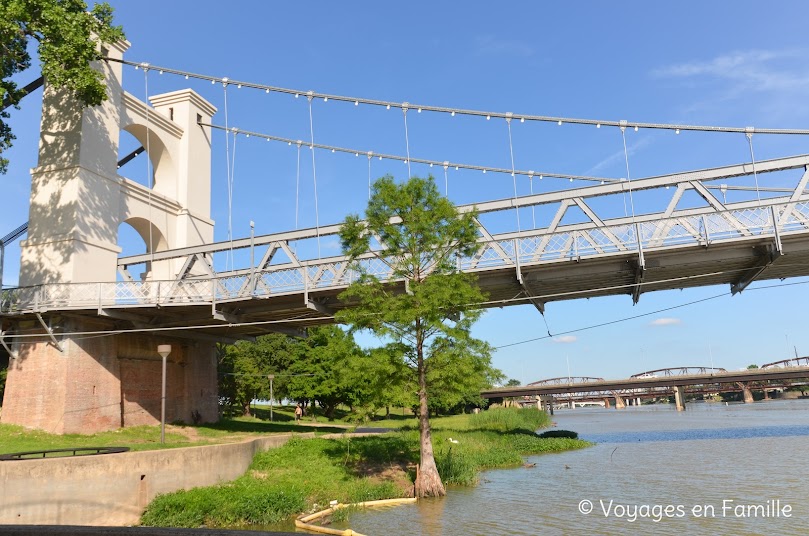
x=271 y=377
x=164 y=350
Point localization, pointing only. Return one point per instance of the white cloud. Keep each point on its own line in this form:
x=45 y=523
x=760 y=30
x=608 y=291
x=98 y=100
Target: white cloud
x=666 y=322
x=565 y=339
x=753 y=70
x=618 y=157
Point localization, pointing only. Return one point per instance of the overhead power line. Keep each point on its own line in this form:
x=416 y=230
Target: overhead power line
x=623 y=124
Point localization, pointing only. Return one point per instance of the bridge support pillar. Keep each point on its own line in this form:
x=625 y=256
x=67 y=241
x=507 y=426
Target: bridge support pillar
x=607 y=403
x=104 y=383
x=619 y=401
x=679 y=397
x=746 y=392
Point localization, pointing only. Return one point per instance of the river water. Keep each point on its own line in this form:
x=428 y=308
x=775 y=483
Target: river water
x=713 y=469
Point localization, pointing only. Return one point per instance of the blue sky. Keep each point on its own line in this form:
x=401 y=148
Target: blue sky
x=735 y=64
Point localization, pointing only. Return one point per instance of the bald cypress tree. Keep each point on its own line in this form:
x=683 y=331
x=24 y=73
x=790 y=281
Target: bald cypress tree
x=425 y=309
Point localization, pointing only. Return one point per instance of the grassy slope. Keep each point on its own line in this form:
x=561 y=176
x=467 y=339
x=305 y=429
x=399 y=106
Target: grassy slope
x=305 y=474
x=17 y=439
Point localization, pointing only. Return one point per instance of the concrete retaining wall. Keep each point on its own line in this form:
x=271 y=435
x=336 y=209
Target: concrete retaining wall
x=114 y=489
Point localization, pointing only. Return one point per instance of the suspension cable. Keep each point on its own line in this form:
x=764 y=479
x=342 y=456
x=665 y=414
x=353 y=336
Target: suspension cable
x=456 y=165
x=477 y=113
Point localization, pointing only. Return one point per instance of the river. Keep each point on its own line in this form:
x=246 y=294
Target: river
x=713 y=469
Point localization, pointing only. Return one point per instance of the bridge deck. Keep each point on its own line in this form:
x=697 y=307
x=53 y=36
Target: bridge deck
x=731 y=244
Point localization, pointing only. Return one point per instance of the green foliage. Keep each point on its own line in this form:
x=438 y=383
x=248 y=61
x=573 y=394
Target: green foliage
x=560 y=433
x=245 y=502
x=65 y=32
x=327 y=368
x=427 y=308
x=304 y=475
x=244 y=369
x=301 y=475
x=505 y=419
x=457 y=467
x=423 y=233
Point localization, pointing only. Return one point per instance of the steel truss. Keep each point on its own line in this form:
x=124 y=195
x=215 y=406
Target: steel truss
x=281 y=272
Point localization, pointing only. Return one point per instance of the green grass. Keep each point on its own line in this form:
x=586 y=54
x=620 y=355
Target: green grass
x=304 y=475
x=18 y=439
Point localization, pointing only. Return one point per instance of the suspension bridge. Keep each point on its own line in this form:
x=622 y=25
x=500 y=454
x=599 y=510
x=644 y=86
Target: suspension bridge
x=78 y=298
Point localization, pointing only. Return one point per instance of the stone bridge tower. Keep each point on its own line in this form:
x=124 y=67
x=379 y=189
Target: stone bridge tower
x=68 y=383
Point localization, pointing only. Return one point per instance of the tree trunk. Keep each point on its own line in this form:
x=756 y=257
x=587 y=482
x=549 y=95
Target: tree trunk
x=328 y=410
x=428 y=481
x=246 y=409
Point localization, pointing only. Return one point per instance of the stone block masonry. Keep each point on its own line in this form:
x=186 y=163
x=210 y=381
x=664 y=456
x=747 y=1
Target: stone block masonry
x=103 y=383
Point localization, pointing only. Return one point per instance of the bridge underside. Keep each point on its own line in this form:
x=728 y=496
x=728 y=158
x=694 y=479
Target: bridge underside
x=673 y=268
x=735 y=263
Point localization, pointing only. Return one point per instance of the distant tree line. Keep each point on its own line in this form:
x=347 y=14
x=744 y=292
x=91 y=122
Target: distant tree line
x=328 y=369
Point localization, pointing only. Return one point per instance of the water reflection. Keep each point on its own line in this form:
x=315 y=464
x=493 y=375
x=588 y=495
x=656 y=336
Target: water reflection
x=646 y=456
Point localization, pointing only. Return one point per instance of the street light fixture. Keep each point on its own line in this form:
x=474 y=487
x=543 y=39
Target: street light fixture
x=271 y=377
x=164 y=350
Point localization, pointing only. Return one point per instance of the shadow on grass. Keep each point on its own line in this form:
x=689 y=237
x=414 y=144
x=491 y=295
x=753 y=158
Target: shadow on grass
x=378 y=450
x=266 y=427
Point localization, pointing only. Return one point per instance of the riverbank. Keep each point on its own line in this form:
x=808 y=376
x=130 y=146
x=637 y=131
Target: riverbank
x=305 y=475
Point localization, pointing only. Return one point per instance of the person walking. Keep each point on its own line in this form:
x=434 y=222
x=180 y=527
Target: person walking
x=298 y=413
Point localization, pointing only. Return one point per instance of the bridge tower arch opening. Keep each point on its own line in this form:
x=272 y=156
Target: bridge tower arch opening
x=64 y=383
x=139 y=235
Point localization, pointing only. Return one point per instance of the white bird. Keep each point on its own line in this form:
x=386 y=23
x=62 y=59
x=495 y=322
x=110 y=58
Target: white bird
x=453 y=441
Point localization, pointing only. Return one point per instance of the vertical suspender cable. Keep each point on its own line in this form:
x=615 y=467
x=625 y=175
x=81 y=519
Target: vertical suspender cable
x=628 y=178
x=749 y=134
x=230 y=199
x=227 y=171
x=370 y=155
x=446 y=181
x=513 y=174
x=149 y=174
x=407 y=140
x=314 y=173
x=533 y=207
x=297 y=185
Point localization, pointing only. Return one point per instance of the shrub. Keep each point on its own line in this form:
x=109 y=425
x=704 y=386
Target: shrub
x=510 y=419
x=456 y=467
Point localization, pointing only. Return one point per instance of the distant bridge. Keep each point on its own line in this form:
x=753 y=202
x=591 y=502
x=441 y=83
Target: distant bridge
x=673 y=382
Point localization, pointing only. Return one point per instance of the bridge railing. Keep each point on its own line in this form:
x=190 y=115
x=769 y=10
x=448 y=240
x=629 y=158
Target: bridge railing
x=531 y=247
